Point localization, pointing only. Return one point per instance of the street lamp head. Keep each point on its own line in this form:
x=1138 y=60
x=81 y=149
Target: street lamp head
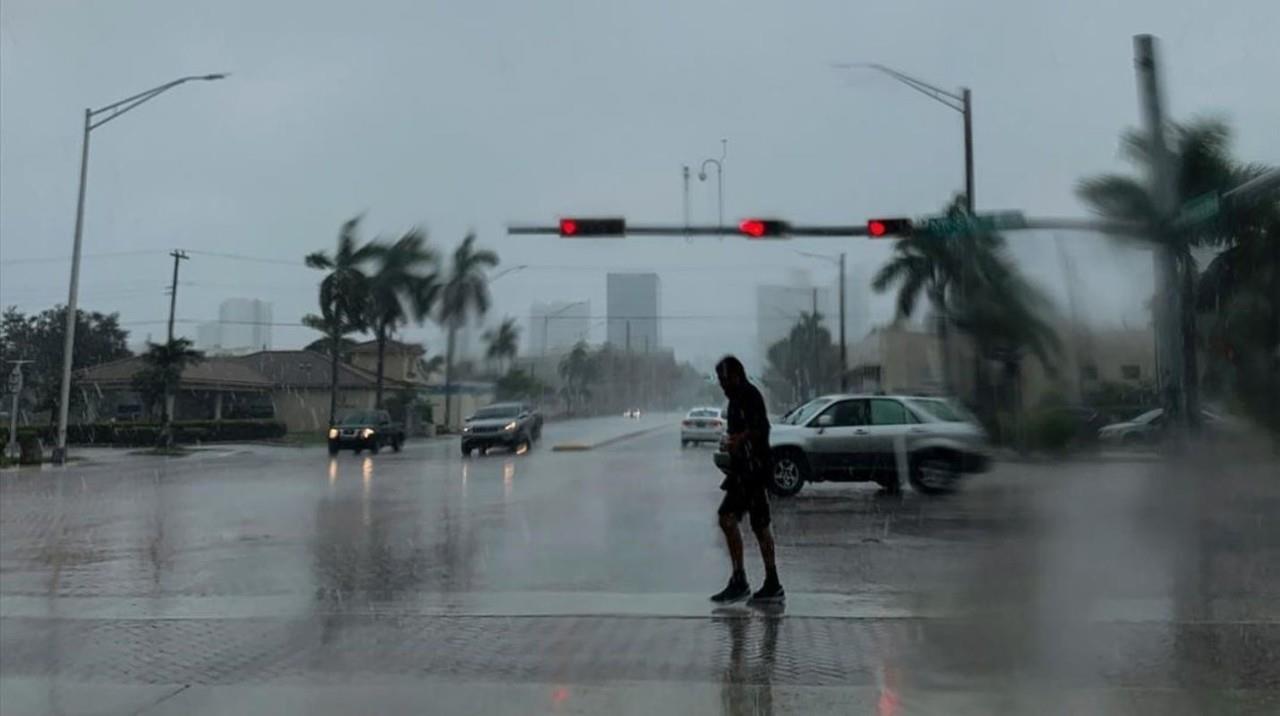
x=702 y=176
x=215 y=76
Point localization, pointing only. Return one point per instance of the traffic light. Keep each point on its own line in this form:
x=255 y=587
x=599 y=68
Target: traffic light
x=577 y=227
x=880 y=228
x=764 y=228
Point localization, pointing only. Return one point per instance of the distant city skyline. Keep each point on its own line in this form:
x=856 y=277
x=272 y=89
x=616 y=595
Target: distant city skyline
x=243 y=326
x=634 y=311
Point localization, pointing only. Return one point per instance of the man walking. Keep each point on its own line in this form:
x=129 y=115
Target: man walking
x=747 y=443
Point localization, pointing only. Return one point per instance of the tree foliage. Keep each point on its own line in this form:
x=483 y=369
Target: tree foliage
x=1231 y=310
x=39 y=338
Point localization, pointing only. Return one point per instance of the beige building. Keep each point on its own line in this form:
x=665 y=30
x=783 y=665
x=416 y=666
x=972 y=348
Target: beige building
x=896 y=359
x=903 y=359
x=300 y=382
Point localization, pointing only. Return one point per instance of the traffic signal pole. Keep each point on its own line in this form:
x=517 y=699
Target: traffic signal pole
x=1175 y=359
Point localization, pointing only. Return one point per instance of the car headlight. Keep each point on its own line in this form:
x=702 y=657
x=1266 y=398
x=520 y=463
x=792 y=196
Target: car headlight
x=366 y=433
x=333 y=433
x=466 y=428
x=510 y=426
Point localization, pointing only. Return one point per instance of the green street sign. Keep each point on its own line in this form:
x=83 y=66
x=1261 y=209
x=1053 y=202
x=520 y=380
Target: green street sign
x=1201 y=208
x=959 y=225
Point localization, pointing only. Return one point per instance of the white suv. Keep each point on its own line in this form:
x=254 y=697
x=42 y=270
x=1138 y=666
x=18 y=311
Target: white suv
x=875 y=438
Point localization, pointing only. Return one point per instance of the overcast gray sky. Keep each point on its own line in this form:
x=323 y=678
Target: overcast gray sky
x=459 y=116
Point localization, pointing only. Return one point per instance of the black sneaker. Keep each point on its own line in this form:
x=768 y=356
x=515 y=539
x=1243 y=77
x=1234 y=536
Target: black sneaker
x=735 y=591
x=771 y=591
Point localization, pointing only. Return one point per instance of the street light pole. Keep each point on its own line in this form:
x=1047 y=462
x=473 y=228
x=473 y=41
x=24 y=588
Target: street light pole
x=966 y=101
x=702 y=176
x=68 y=345
x=961 y=103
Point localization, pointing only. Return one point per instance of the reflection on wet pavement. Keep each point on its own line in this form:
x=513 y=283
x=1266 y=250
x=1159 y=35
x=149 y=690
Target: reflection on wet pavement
x=1087 y=588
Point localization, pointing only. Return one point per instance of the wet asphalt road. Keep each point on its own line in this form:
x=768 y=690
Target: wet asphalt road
x=276 y=580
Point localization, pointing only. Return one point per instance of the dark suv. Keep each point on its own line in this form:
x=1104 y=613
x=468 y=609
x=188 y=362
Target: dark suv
x=514 y=426
x=366 y=430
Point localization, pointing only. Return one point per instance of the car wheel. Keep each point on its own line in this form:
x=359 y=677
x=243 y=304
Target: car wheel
x=1131 y=440
x=934 y=474
x=790 y=471
x=374 y=447
x=333 y=449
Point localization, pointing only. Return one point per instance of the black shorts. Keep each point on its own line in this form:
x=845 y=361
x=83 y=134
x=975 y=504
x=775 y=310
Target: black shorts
x=746 y=496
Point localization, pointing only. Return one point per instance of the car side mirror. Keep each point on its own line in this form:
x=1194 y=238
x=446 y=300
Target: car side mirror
x=826 y=421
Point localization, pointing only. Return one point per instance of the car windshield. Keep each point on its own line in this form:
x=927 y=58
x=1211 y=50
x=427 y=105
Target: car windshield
x=938 y=411
x=704 y=413
x=497 y=412
x=801 y=415
x=361 y=418
x=1148 y=416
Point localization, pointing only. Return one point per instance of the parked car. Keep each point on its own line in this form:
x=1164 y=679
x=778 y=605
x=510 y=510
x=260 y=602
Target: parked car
x=702 y=425
x=1149 y=428
x=366 y=430
x=866 y=438
x=515 y=426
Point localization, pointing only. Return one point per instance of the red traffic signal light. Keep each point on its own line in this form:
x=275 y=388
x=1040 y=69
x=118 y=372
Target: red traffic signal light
x=879 y=228
x=763 y=228
x=573 y=228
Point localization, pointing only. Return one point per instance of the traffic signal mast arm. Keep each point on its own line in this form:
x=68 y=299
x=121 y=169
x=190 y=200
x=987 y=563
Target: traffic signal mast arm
x=777 y=229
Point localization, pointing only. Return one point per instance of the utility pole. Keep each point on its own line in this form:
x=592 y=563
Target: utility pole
x=1175 y=380
x=813 y=346
x=15 y=387
x=169 y=397
x=178 y=256
x=844 y=351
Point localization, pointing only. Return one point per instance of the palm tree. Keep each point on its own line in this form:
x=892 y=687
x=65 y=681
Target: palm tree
x=402 y=286
x=463 y=293
x=1202 y=164
x=974 y=288
x=939 y=270
x=165 y=363
x=504 y=342
x=578 y=369
x=344 y=294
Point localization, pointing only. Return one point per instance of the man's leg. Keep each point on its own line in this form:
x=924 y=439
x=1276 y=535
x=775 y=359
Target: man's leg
x=764 y=537
x=733 y=538
x=730 y=513
x=760 y=521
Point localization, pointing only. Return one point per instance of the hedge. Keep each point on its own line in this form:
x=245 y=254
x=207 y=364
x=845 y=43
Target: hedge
x=147 y=434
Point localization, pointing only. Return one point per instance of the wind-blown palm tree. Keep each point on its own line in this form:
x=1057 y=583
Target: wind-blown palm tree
x=504 y=342
x=344 y=294
x=463 y=293
x=974 y=288
x=941 y=271
x=1202 y=164
x=165 y=363
x=578 y=369
x=402 y=286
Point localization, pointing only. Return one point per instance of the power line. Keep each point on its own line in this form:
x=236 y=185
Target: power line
x=60 y=259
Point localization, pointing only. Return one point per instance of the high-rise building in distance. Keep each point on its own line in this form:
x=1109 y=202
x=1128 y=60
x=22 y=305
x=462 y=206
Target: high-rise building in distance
x=555 y=326
x=634 y=311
